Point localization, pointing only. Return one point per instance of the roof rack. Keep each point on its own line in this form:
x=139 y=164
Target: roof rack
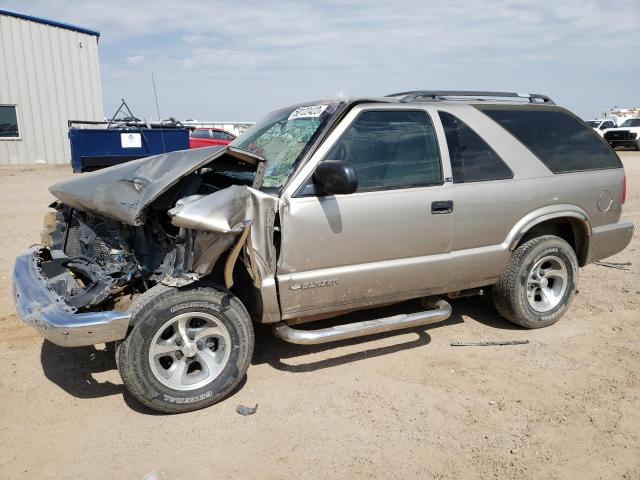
x=437 y=95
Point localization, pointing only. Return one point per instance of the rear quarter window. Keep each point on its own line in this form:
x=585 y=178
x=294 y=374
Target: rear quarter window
x=200 y=134
x=472 y=160
x=559 y=139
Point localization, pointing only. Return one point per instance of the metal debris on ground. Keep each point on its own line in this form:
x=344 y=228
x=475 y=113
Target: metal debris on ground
x=489 y=344
x=244 y=411
x=619 y=266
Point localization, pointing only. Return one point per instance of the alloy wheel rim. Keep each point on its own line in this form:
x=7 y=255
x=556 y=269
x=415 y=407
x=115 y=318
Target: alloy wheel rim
x=189 y=351
x=547 y=283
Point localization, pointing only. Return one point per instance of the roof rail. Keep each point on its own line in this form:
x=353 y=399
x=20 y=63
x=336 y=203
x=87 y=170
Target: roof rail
x=437 y=95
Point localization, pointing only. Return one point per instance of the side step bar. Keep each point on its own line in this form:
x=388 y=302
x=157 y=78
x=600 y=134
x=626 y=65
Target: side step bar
x=441 y=312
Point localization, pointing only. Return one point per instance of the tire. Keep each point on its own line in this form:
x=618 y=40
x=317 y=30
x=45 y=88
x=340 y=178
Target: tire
x=188 y=348
x=523 y=297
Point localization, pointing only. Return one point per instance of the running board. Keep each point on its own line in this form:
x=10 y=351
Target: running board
x=441 y=312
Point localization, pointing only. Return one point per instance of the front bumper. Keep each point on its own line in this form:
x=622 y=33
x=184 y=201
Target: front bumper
x=624 y=143
x=46 y=311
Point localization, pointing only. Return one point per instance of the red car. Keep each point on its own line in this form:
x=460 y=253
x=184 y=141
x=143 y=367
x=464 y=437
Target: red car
x=207 y=137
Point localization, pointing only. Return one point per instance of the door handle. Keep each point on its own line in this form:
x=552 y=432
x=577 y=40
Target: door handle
x=442 y=206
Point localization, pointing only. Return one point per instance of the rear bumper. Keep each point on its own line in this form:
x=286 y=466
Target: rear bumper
x=609 y=240
x=46 y=311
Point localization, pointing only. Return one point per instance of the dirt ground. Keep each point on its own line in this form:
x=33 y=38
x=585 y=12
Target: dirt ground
x=567 y=405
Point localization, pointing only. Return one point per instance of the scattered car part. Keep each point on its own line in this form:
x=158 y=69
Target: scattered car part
x=489 y=344
x=245 y=411
x=619 y=266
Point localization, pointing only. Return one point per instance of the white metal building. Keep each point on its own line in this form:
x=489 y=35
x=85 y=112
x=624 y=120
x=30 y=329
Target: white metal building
x=49 y=74
x=619 y=115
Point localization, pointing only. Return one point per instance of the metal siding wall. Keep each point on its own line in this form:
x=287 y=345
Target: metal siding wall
x=51 y=79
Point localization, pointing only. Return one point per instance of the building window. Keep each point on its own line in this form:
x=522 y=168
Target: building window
x=8 y=122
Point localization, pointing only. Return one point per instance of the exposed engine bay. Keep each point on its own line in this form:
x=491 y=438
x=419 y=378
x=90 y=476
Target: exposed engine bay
x=174 y=219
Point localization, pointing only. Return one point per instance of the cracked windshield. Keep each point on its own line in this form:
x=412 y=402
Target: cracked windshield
x=283 y=136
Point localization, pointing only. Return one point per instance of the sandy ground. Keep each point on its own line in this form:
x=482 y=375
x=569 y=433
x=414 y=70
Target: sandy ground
x=404 y=406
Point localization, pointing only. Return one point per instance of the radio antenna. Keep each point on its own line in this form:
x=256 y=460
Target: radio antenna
x=155 y=93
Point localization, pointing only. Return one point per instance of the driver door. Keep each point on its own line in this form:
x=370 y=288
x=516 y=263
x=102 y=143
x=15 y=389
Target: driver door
x=385 y=242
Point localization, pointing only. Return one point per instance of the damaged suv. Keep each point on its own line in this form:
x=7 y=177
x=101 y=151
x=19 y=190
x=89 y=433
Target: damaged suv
x=321 y=209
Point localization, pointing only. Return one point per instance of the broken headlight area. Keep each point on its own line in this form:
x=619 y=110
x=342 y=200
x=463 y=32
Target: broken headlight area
x=90 y=260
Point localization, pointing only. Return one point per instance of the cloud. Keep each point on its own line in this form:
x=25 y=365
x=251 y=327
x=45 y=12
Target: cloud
x=243 y=58
x=135 y=59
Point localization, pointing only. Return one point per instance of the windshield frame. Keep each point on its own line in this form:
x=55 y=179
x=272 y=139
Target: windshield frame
x=310 y=145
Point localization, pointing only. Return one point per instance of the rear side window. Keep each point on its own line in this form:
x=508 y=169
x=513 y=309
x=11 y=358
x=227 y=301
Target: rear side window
x=560 y=140
x=472 y=160
x=200 y=134
x=391 y=149
x=219 y=135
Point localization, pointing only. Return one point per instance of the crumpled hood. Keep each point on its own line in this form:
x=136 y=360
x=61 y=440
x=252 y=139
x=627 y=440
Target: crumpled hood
x=123 y=192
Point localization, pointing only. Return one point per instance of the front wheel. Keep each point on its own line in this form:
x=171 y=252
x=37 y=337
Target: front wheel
x=188 y=349
x=538 y=283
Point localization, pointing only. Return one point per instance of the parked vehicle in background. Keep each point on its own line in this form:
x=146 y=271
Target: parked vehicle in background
x=209 y=137
x=601 y=125
x=320 y=209
x=626 y=135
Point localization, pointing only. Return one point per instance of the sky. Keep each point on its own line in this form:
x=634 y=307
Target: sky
x=236 y=61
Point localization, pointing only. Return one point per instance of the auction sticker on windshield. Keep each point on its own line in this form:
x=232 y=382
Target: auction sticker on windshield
x=312 y=111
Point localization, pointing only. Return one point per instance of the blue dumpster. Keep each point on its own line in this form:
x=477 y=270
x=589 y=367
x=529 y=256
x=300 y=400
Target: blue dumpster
x=94 y=148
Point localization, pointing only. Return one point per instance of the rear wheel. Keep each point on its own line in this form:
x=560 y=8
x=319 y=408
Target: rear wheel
x=188 y=348
x=539 y=282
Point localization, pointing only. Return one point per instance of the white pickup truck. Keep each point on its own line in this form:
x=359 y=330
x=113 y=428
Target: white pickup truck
x=600 y=125
x=626 y=135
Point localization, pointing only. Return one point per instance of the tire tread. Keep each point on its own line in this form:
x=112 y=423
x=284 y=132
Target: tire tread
x=148 y=301
x=506 y=298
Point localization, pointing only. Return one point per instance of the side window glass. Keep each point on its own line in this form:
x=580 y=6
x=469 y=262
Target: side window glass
x=200 y=134
x=472 y=160
x=391 y=149
x=558 y=138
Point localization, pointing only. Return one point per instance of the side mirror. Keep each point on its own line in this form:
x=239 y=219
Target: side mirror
x=334 y=177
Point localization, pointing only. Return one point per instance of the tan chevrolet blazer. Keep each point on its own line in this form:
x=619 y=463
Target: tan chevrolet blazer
x=319 y=209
